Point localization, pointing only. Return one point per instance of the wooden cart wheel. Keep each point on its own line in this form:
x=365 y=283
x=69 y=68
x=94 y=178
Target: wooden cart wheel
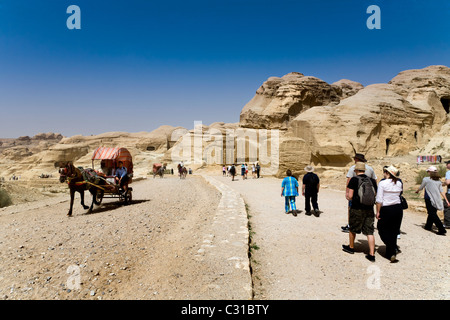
x=99 y=197
x=128 y=197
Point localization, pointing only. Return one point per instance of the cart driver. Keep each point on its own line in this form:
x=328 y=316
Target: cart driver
x=122 y=176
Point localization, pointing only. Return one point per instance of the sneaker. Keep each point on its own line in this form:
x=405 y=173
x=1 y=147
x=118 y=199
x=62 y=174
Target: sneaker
x=441 y=233
x=345 y=228
x=393 y=258
x=308 y=213
x=348 y=249
x=317 y=212
x=294 y=213
x=370 y=257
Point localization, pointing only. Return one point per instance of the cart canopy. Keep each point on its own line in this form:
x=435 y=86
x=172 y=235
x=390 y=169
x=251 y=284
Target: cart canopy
x=116 y=155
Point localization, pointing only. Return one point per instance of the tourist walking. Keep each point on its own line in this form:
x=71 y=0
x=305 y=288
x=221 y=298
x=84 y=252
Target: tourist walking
x=224 y=171
x=433 y=192
x=447 y=195
x=232 y=171
x=289 y=189
x=246 y=171
x=258 y=168
x=361 y=191
x=310 y=190
x=358 y=158
x=389 y=211
x=243 y=171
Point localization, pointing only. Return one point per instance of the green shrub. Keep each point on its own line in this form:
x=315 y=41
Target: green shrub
x=442 y=170
x=5 y=199
x=420 y=175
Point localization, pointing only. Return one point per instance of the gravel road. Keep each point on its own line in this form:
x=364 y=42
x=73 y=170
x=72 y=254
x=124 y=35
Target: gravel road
x=142 y=251
x=150 y=249
x=301 y=257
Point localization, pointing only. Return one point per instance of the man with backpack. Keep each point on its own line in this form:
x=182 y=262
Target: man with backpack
x=359 y=157
x=361 y=191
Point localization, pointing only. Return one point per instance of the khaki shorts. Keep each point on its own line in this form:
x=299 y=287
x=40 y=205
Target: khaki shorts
x=362 y=221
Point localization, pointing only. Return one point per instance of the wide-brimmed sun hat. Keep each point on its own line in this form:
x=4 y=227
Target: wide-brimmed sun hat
x=309 y=168
x=392 y=170
x=432 y=169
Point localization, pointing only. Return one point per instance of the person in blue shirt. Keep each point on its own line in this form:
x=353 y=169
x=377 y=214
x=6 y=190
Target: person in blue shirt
x=289 y=189
x=121 y=176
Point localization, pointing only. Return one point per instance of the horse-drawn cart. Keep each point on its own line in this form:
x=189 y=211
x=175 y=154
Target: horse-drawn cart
x=159 y=169
x=110 y=158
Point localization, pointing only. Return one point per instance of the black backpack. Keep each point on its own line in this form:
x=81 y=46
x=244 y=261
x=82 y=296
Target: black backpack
x=366 y=191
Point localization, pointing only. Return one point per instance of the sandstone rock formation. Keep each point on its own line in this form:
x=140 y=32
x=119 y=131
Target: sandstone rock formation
x=376 y=121
x=17 y=149
x=435 y=78
x=379 y=120
x=279 y=100
x=347 y=88
x=204 y=145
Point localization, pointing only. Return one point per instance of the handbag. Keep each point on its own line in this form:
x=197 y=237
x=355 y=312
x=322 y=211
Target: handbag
x=403 y=202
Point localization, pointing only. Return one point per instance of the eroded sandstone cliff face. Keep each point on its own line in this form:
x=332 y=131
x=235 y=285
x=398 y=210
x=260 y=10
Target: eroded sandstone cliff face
x=327 y=124
x=279 y=100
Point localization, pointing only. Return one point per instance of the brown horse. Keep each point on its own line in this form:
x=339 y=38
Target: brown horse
x=76 y=183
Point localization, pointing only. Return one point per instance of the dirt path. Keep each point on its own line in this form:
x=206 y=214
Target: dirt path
x=301 y=257
x=168 y=245
x=146 y=250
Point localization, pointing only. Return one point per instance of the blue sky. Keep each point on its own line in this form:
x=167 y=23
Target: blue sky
x=136 y=65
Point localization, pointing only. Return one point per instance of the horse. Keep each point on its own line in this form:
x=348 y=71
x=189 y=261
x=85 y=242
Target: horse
x=182 y=171
x=159 y=171
x=76 y=182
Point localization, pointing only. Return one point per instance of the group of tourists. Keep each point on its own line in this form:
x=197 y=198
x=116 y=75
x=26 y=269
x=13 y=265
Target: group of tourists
x=231 y=170
x=369 y=200
x=363 y=194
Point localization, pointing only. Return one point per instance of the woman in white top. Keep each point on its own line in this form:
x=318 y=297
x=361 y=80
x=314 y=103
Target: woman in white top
x=389 y=210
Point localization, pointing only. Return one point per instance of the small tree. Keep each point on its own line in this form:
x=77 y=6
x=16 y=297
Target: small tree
x=5 y=199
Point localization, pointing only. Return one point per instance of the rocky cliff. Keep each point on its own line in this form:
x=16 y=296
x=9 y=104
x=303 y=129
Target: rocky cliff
x=327 y=124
